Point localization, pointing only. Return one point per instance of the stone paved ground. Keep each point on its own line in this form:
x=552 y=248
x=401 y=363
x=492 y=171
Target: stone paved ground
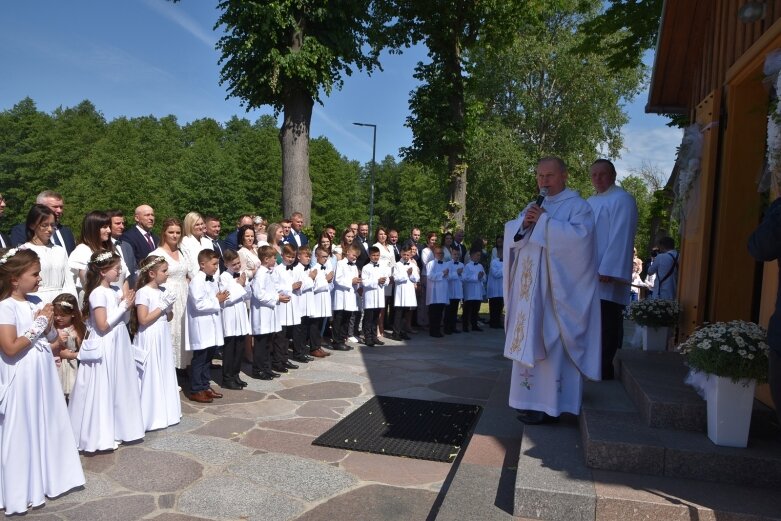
x=250 y=456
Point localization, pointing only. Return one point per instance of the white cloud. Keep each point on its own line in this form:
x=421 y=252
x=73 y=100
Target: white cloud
x=176 y=14
x=654 y=146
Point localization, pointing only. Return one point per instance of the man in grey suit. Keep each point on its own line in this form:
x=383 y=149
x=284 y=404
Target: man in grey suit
x=125 y=249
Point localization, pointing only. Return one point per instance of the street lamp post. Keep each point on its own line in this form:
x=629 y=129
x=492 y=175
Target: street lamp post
x=374 y=150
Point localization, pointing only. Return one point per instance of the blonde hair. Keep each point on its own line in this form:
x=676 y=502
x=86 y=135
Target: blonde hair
x=189 y=223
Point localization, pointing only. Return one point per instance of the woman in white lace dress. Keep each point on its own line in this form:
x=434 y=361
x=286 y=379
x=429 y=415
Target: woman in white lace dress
x=179 y=273
x=56 y=278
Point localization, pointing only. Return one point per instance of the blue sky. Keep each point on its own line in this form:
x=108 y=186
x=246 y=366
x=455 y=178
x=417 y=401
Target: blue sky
x=141 y=57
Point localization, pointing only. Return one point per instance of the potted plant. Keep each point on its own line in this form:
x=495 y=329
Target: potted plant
x=733 y=356
x=655 y=316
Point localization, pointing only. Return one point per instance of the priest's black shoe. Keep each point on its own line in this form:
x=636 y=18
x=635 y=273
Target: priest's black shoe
x=290 y=365
x=300 y=359
x=261 y=376
x=379 y=342
x=530 y=417
x=340 y=347
x=280 y=369
x=241 y=382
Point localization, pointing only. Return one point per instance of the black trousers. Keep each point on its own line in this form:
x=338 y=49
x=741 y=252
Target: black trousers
x=279 y=347
x=261 y=353
x=300 y=334
x=435 y=312
x=200 y=369
x=612 y=335
x=314 y=326
x=370 y=324
x=341 y=326
x=232 y=353
x=398 y=320
x=495 y=307
x=470 y=313
x=451 y=316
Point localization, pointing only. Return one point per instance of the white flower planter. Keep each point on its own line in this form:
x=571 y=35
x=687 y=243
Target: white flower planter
x=655 y=338
x=729 y=410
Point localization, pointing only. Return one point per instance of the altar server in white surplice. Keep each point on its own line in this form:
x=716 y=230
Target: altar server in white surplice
x=615 y=218
x=550 y=291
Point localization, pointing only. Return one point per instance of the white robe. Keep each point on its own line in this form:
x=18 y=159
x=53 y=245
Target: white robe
x=615 y=216
x=553 y=312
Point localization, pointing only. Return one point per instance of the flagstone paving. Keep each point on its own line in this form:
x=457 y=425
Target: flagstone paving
x=249 y=456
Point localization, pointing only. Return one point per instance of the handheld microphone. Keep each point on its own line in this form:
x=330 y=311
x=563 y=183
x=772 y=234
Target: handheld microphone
x=542 y=196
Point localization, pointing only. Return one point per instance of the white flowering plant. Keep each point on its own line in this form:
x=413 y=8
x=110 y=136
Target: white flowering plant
x=735 y=350
x=654 y=312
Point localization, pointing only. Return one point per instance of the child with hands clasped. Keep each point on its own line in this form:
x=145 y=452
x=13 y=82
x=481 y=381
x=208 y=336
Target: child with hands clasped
x=405 y=276
x=374 y=278
x=235 y=319
x=473 y=277
x=204 y=304
x=346 y=286
x=160 y=406
x=322 y=305
x=70 y=332
x=105 y=405
x=38 y=456
x=264 y=318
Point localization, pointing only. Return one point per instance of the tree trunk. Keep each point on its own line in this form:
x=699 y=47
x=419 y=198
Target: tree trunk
x=456 y=149
x=294 y=139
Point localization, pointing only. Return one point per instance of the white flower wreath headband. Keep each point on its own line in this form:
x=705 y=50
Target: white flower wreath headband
x=10 y=253
x=152 y=264
x=106 y=255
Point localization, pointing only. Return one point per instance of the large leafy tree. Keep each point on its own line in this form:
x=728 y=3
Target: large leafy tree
x=440 y=117
x=287 y=53
x=537 y=97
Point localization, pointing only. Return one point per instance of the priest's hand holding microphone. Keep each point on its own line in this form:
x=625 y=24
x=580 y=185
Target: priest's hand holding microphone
x=532 y=214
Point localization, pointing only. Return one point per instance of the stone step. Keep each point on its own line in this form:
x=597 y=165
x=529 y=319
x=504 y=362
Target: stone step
x=655 y=383
x=615 y=437
x=554 y=484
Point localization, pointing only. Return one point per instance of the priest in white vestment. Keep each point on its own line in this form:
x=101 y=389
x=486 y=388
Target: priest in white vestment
x=552 y=322
x=615 y=219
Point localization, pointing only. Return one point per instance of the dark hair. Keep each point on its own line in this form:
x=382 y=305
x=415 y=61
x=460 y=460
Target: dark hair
x=36 y=214
x=344 y=233
x=146 y=266
x=14 y=266
x=373 y=249
x=304 y=249
x=609 y=164
x=377 y=233
x=115 y=213
x=229 y=256
x=288 y=249
x=240 y=234
x=667 y=243
x=94 y=275
x=90 y=231
x=68 y=305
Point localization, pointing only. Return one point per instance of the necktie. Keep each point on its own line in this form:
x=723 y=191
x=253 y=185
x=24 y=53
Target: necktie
x=236 y=275
x=439 y=262
x=322 y=266
x=55 y=239
x=290 y=267
x=216 y=247
x=209 y=278
x=149 y=241
x=350 y=263
x=375 y=265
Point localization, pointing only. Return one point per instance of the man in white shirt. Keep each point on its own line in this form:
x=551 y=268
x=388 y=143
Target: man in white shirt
x=615 y=218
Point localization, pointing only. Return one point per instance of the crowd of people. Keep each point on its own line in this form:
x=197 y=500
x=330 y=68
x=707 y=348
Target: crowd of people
x=99 y=337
